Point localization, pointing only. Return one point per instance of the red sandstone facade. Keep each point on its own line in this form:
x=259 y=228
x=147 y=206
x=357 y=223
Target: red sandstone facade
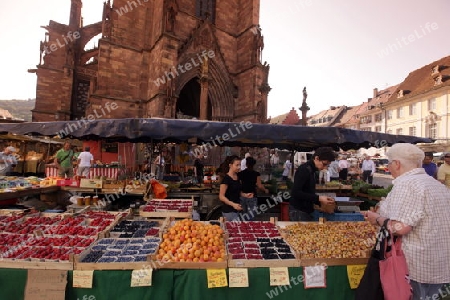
x=159 y=58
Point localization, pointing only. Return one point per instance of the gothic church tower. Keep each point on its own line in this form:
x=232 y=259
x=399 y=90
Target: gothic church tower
x=156 y=58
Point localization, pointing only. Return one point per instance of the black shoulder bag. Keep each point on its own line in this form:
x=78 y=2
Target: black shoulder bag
x=370 y=285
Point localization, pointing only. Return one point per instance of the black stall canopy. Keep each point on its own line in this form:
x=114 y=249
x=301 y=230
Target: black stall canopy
x=211 y=133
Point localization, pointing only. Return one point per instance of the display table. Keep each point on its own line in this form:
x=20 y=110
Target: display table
x=341 y=190
x=110 y=173
x=187 y=285
x=29 y=192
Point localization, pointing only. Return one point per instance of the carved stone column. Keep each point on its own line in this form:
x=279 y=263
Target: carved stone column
x=204 y=87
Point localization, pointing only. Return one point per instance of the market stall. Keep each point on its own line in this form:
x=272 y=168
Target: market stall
x=189 y=280
x=110 y=172
x=31 y=152
x=100 y=234
x=186 y=284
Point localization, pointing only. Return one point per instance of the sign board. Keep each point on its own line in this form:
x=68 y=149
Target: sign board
x=46 y=285
x=91 y=183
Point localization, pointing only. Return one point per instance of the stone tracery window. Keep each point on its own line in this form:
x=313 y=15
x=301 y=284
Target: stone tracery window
x=206 y=9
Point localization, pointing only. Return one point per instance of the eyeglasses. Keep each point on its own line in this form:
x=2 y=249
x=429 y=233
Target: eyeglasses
x=390 y=162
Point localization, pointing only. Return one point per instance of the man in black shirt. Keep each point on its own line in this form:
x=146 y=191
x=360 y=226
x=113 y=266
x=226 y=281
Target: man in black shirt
x=303 y=195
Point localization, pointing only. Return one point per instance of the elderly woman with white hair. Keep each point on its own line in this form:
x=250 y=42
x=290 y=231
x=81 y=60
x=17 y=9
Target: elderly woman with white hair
x=417 y=209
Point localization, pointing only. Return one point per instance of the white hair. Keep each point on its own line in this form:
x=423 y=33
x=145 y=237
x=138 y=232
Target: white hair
x=408 y=154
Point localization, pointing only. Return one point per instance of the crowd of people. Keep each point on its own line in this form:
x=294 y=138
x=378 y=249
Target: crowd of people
x=414 y=210
x=238 y=188
x=66 y=158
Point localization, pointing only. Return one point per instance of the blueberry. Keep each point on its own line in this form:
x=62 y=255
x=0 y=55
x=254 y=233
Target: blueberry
x=106 y=241
x=136 y=241
x=134 y=247
x=92 y=256
x=112 y=253
x=107 y=259
x=125 y=259
x=147 y=251
x=99 y=247
x=149 y=246
x=140 y=258
x=122 y=242
x=130 y=252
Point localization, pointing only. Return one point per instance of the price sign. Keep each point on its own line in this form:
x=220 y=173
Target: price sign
x=142 y=277
x=355 y=273
x=83 y=279
x=314 y=277
x=238 y=277
x=279 y=276
x=216 y=278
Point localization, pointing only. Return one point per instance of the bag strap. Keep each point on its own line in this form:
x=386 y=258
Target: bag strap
x=70 y=152
x=396 y=244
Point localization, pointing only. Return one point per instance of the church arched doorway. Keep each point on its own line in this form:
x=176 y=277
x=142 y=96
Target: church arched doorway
x=188 y=104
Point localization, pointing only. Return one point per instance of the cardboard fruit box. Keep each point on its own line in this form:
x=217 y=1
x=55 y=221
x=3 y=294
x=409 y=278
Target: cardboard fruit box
x=91 y=183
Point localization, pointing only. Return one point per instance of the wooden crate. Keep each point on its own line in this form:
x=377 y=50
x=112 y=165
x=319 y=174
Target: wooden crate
x=41 y=265
x=168 y=213
x=113 y=184
x=163 y=223
x=78 y=265
x=189 y=265
x=262 y=263
x=305 y=262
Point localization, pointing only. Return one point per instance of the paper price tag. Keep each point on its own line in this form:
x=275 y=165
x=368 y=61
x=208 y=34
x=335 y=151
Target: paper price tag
x=279 y=276
x=45 y=285
x=355 y=273
x=216 y=278
x=238 y=277
x=83 y=279
x=314 y=277
x=142 y=277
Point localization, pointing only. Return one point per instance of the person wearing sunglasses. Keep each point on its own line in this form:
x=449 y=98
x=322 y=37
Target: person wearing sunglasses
x=443 y=174
x=303 y=194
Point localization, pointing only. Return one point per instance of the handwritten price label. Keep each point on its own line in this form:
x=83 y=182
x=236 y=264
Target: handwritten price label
x=216 y=278
x=83 y=279
x=142 y=277
x=355 y=273
x=279 y=276
x=238 y=277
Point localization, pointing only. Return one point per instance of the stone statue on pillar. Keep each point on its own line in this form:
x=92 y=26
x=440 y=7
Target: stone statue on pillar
x=304 y=108
x=259 y=45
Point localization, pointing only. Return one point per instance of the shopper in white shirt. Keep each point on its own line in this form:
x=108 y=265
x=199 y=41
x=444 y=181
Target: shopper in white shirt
x=244 y=161
x=368 y=169
x=343 y=166
x=333 y=170
x=85 y=161
x=417 y=209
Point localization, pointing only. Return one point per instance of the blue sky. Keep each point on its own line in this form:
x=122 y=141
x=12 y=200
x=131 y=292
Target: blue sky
x=339 y=50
